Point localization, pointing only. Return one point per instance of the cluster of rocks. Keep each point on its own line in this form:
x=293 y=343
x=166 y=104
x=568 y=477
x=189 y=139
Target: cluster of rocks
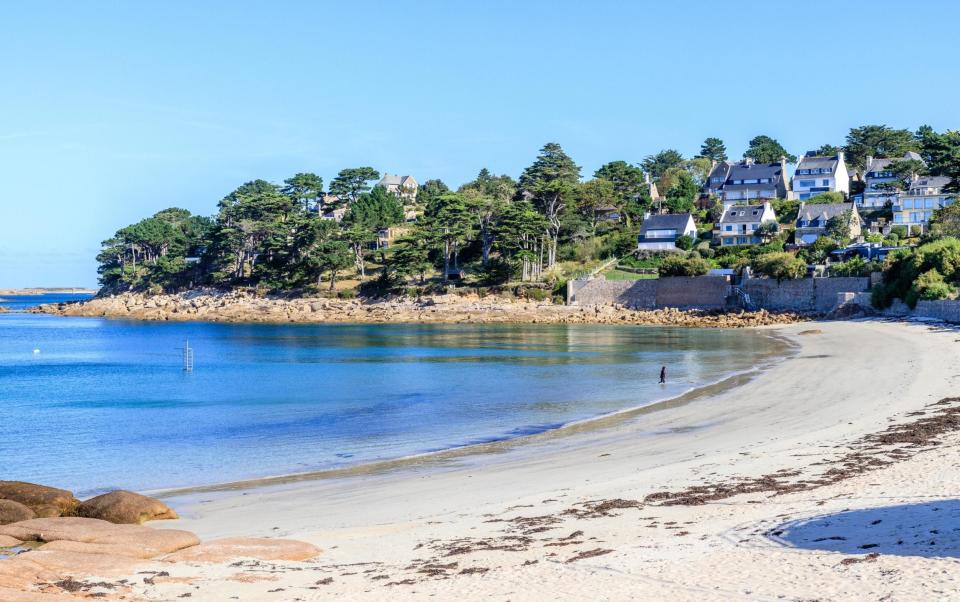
x=50 y=542
x=21 y=501
x=236 y=306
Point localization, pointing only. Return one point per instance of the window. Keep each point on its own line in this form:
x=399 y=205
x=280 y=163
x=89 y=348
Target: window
x=808 y=183
x=825 y=182
x=803 y=172
x=671 y=233
x=928 y=204
x=908 y=204
x=826 y=170
x=729 y=228
x=898 y=218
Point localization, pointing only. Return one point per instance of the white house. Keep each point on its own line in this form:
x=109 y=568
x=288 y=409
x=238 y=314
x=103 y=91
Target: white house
x=660 y=232
x=877 y=174
x=914 y=206
x=748 y=181
x=817 y=174
x=739 y=224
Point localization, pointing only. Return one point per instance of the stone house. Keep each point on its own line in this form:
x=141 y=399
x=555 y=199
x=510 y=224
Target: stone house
x=812 y=220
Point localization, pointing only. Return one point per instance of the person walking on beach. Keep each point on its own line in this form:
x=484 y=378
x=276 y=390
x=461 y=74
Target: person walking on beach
x=663 y=374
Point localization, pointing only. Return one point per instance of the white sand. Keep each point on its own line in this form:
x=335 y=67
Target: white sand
x=848 y=381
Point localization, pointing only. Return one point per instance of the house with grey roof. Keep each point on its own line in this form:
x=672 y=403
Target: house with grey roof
x=749 y=181
x=740 y=224
x=925 y=194
x=660 y=232
x=405 y=187
x=719 y=171
x=877 y=175
x=817 y=174
x=813 y=218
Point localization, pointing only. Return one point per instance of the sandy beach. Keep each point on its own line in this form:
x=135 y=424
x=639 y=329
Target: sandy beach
x=812 y=505
x=831 y=475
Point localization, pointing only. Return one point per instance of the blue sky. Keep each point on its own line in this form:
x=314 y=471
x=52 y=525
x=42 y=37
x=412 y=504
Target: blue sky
x=111 y=111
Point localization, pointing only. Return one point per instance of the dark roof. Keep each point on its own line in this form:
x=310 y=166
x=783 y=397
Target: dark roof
x=753 y=171
x=672 y=221
x=818 y=162
x=751 y=214
x=821 y=212
x=930 y=182
x=720 y=170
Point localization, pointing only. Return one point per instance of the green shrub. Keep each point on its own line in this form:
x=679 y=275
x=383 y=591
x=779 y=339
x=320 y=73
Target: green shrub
x=684 y=243
x=347 y=293
x=931 y=286
x=900 y=231
x=854 y=267
x=782 y=266
x=929 y=271
x=676 y=265
x=536 y=294
x=826 y=198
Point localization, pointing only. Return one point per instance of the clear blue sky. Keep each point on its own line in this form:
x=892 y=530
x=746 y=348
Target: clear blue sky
x=111 y=111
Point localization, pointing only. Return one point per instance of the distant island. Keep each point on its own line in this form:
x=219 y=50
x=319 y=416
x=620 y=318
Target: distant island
x=68 y=290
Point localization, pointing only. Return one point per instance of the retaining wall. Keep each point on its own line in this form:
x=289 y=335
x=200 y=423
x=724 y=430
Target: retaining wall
x=638 y=294
x=709 y=292
x=805 y=294
x=949 y=311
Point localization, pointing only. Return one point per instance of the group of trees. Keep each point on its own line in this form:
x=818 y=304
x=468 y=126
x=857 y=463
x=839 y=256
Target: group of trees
x=272 y=235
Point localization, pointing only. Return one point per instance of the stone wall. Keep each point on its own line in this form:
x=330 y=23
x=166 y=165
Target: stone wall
x=949 y=311
x=639 y=294
x=806 y=294
x=709 y=292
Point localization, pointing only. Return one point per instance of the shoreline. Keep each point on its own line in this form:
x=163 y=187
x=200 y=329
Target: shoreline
x=236 y=307
x=786 y=350
x=570 y=514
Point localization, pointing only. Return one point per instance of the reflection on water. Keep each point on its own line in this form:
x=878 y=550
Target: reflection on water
x=105 y=403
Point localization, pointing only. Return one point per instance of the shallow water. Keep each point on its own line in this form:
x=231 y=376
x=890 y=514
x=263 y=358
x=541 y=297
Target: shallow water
x=106 y=403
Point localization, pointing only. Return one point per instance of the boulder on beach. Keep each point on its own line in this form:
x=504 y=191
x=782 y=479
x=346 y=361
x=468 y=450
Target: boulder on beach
x=131 y=541
x=125 y=507
x=44 y=501
x=14 y=512
x=8 y=542
x=231 y=548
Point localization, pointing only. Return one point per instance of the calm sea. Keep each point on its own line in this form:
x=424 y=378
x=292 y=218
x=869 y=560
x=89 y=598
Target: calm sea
x=91 y=404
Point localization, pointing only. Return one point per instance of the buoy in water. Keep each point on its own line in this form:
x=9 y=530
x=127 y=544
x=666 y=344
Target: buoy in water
x=35 y=351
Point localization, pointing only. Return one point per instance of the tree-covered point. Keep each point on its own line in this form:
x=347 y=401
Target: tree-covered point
x=547 y=225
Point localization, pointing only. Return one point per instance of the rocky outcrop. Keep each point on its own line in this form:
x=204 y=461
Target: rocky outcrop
x=77 y=554
x=101 y=536
x=44 y=501
x=453 y=308
x=125 y=507
x=231 y=548
x=14 y=512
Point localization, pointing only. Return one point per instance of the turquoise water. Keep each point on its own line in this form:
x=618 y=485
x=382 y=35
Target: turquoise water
x=105 y=403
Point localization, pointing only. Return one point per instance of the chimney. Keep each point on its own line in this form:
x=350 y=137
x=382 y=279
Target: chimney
x=866 y=166
x=646 y=178
x=748 y=161
x=840 y=156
